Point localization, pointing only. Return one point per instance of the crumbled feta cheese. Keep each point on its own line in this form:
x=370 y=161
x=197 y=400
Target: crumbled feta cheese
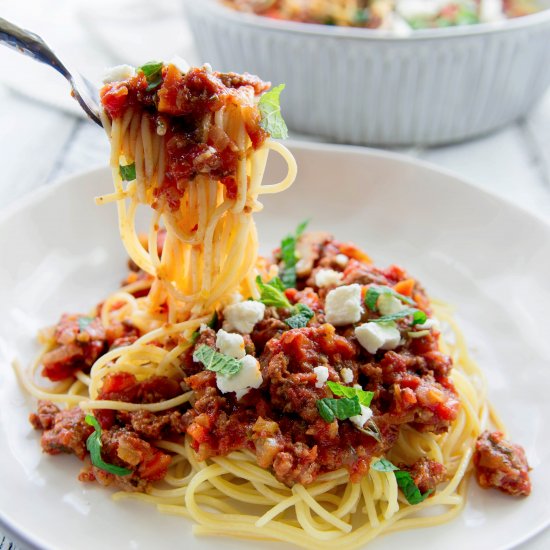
x=341 y=259
x=327 y=277
x=230 y=344
x=429 y=324
x=203 y=327
x=343 y=305
x=357 y=386
x=375 y=336
x=322 y=376
x=180 y=63
x=243 y=316
x=360 y=419
x=388 y=304
x=347 y=375
x=241 y=383
x=117 y=73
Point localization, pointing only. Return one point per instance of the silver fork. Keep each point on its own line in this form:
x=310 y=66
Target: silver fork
x=32 y=45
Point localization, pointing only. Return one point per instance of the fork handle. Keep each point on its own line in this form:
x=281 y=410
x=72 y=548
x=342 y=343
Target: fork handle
x=30 y=44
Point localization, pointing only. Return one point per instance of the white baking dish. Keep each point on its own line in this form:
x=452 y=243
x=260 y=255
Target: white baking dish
x=368 y=86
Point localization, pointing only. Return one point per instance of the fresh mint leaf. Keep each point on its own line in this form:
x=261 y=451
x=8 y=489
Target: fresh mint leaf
x=272 y=293
x=301 y=318
x=83 y=323
x=93 y=444
x=302 y=226
x=270 y=110
x=342 y=408
x=418 y=316
x=375 y=291
x=128 y=172
x=153 y=74
x=404 y=481
x=215 y=361
x=384 y=465
x=365 y=397
x=410 y=490
x=151 y=69
x=289 y=257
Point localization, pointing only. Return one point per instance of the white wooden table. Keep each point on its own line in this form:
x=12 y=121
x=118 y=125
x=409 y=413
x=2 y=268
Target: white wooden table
x=40 y=144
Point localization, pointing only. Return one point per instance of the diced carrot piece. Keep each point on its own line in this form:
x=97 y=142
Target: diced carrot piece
x=405 y=287
x=351 y=251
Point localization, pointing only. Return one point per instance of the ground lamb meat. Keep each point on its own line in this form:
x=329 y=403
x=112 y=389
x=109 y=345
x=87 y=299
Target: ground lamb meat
x=79 y=341
x=426 y=474
x=44 y=417
x=69 y=431
x=501 y=464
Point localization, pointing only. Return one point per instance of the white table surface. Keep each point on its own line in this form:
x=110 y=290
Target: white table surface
x=40 y=144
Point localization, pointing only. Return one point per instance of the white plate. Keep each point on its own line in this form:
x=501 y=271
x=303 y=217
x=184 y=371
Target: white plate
x=60 y=253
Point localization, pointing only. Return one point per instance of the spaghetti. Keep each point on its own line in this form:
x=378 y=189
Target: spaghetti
x=324 y=411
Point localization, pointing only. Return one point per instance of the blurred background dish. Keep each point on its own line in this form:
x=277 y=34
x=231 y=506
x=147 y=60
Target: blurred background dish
x=402 y=16
x=373 y=86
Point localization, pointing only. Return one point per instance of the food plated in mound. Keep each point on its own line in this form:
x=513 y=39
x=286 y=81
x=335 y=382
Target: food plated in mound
x=402 y=16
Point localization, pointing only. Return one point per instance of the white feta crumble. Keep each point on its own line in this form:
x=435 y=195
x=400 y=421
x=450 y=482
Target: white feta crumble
x=203 y=327
x=230 y=344
x=327 y=277
x=375 y=336
x=343 y=305
x=388 y=304
x=429 y=324
x=241 y=383
x=357 y=386
x=322 y=376
x=347 y=375
x=360 y=419
x=117 y=73
x=243 y=316
x=341 y=259
x=180 y=63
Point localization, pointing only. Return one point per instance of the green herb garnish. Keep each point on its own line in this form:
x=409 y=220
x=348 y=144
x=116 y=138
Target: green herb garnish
x=289 y=256
x=83 y=323
x=153 y=74
x=215 y=361
x=365 y=397
x=404 y=481
x=128 y=172
x=419 y=317
x=272 y=293
x=93 y=444
x=301 y=318
x=270 y=109
x=342 y=408
x=384 y=465
x=375 y=291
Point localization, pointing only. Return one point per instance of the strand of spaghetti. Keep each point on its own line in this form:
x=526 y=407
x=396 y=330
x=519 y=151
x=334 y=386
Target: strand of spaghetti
x=112 y=197
x=39 y=393
x=291 y=174
x=151 y=407
x=301 y=491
